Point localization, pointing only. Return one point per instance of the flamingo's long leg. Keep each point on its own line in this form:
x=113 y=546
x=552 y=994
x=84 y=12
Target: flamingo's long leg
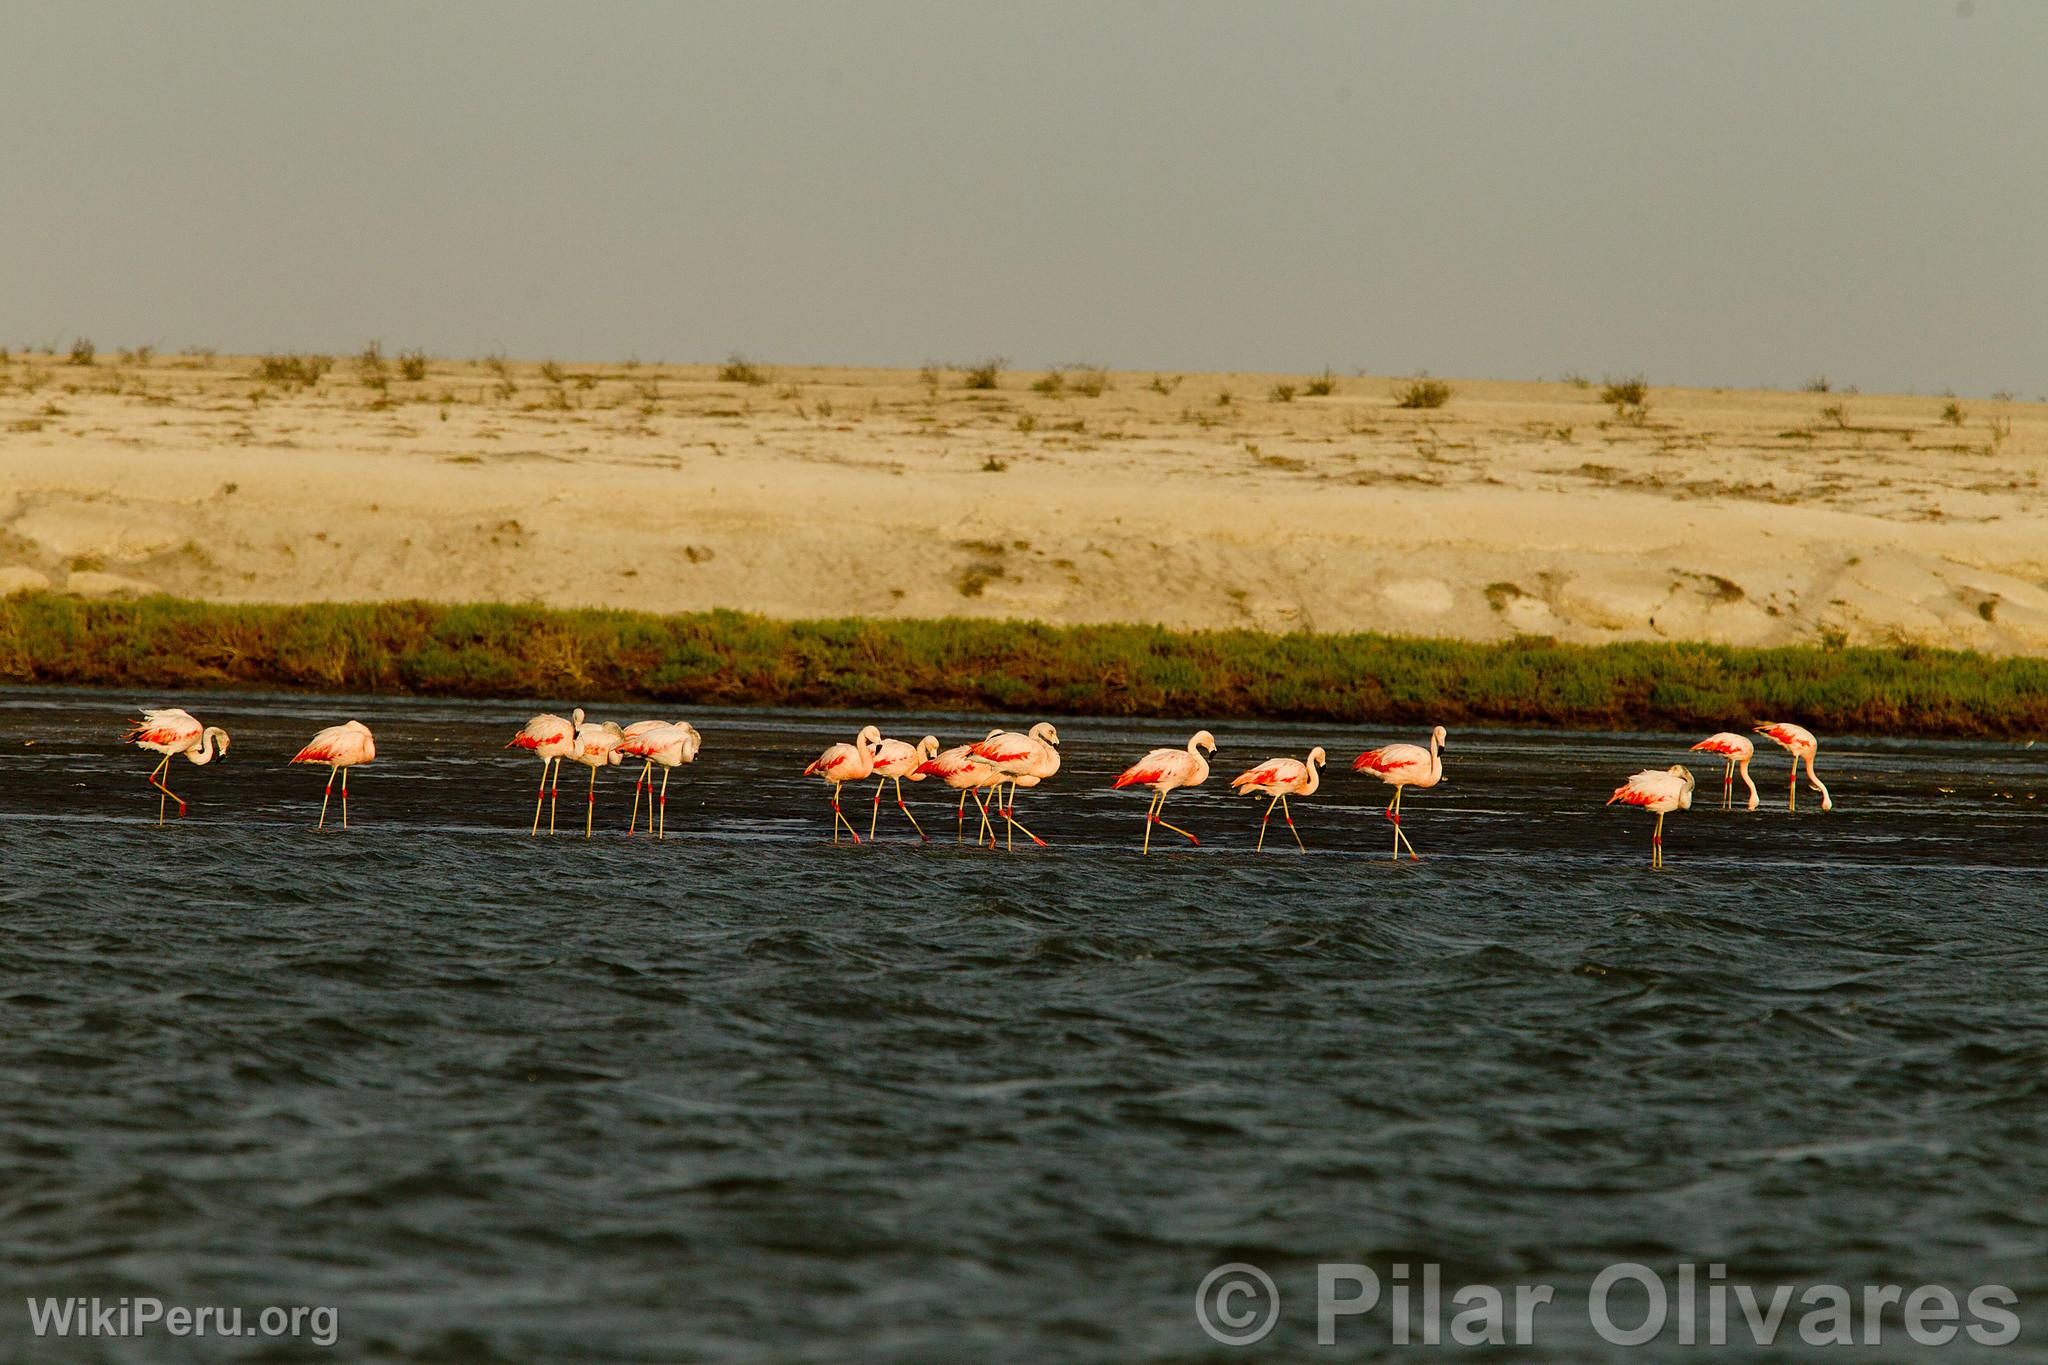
x=876 y=813
x=344 y=798
x=661 y=830
x=1792 y=787
x=1288 y=816
x=646 y=779
x=905 y=807
x=1400 y=838
x=960 y=818
x=1152 y=814
x=156 y=779
x=1657 y=843
x=839 y=818
x=1263 y=823
x=988 y=829
x=590 y=803
x=327 y=795
x=540 y=797
x=555 y=795
x=1160 y=819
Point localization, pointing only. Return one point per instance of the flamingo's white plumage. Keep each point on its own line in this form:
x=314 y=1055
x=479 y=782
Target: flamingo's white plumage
x=550 y=739
x=1277 y=779
x=844 y=763
x=1402 y=766
x=1738 y=751
x=1168 y=770
x=340 y=747
x=171 y=731
x=894 y=761
x=1662 y=790
x=1798 y=741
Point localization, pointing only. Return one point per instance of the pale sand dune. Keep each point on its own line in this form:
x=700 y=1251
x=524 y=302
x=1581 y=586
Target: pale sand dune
x=1740 y=516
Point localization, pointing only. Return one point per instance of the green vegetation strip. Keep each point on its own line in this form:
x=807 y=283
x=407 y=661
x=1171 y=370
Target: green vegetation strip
x=727 y=658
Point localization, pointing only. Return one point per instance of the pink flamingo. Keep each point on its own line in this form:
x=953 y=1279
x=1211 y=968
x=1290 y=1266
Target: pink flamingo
x=670 y=745
x=1800 y=743
x=1280 y=778
x=1025 y=760
x=961 y=770
x=1402 y=766
x=340 y=747
x=1738 y=751
x=1166 y=770
x=550 y=739
x=844 y=763
x=894 y=761
x=171 y=731
x=596 y=746
x=1662 y=790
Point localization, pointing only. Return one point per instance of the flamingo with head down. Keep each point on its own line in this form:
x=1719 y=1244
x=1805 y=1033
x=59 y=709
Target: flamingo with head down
x=1402 y=766
x=171 y=731
x=844 y=763
x=1168 y=770
x=661 y=742
x=340 y=747
x=1660 y=790
x=550 y=739
x=1280 y=778
x=1738 y=751
x=596 y=746
x=960 y=769
x=1798 y=741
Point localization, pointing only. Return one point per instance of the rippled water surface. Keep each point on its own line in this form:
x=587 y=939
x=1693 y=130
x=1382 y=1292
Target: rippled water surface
x=743 y=1095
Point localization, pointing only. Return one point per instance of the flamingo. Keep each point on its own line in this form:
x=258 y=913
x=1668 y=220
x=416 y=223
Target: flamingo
x=961 y=770
x=658 y=742
x=1025 y=760
x=1662 y=790
x=1402 y=766
x=678 y=743
x=340 y=747
x=843 y=763
x=894 y=761
x=171 y=731
x=1165 y=770
x=550 y=738
x=595 y=746
x=1800 y=743
x=1738 y=751
x=1280 y=778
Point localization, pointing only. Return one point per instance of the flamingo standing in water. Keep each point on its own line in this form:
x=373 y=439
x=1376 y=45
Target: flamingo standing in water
x=172 y=731
x=340 y=747
x=1166 y=770
x=1798 y=741
x=1025 y=760
x=1662 y=790
x=1280 y=778
x=969 y=775
x=1402 y=766
x=596 y=746
x=894 y=761
x=1738 y=751
x=550 y=739
x=844 y=763
x=670 y=745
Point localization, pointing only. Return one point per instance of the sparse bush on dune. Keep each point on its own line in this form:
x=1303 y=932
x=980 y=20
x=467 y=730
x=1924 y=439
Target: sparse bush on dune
x=1422 y=392
x=82 y=352
x=981 y=375
x=1627 y=392
x=1321 y=386
x=723 y=657
x=412 y=365
x=737 y=369
x=293 y=370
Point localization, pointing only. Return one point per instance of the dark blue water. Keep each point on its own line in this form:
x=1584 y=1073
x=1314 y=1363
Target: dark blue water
x=745 y=1096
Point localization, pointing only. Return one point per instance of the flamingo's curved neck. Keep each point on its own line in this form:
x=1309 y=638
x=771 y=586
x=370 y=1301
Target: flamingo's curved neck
x=1826 y=802
x=1743 y=766
x=204 y=753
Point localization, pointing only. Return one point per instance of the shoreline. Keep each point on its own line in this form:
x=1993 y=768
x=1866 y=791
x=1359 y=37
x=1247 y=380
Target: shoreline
x=726 y=658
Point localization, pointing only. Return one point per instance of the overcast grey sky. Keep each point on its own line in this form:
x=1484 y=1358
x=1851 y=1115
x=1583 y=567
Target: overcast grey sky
x=1716 y=193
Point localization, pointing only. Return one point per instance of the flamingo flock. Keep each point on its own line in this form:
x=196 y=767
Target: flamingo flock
x=979 y=771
